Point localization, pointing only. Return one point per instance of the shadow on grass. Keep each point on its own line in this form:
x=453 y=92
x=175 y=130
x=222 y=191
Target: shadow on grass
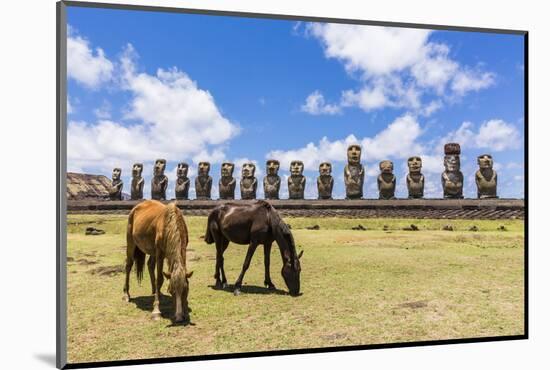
x=250 y=289
x=145 y=303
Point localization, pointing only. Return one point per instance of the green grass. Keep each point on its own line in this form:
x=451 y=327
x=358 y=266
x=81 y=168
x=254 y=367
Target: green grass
x=359 y=287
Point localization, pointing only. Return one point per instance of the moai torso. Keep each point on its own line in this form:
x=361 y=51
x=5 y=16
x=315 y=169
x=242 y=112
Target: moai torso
x=325 y=182
x=272 y=181
x=486 y=178
x=203 y=182
x=182 y=182
x=159 y=183
x=354 y=173
x=296 y=181
x=452 y=179
x=136 y=191
x=415 y=179
x=386 y=181
x=115 y=192
x=227 y=181
x=248 y=181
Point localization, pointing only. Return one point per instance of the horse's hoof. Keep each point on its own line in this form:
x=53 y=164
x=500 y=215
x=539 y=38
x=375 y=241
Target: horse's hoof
x=126 y=298
x=219 y=285
x=224 y=286
x=237 y=291
x=155 y=316
x=270 y=286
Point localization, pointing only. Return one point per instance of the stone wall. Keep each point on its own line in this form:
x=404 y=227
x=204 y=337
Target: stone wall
x=363 y=208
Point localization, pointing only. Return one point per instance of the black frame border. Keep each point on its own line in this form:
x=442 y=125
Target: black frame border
x=61 y=165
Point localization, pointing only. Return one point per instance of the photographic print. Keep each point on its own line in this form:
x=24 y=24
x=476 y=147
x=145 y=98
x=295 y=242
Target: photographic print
x=240 y=184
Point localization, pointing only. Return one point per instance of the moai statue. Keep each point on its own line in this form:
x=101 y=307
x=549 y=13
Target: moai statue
x=227 y=181
x=296 y=181
x=272 y=181
x=452 y=179
x=486 y=177
x=354 y=173
x=182 y=182
x=159 y=183
x=248 y=181
x=415 y=178
x=203 y=182
x=115 y=192
x=325 y=182
x=136 y=192
x=386 y=181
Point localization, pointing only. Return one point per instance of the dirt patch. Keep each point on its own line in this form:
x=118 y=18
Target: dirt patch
x=94 y=231
x=414 y=305
x=334 y=336
x=412 y=227
x=107 y=270
x=85 y=262
x=359 y=227
x=70 y=259
x=314 y=227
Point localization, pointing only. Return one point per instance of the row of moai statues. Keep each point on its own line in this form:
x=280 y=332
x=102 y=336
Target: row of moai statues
x=354 y=176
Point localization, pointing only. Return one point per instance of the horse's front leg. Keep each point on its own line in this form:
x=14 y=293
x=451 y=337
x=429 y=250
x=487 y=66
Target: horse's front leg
x=246 y=264
x=267 y=255
x=159 y=281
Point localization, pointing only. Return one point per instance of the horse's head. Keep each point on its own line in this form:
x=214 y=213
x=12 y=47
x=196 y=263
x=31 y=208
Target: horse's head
x=291 y=274
x=179 y=289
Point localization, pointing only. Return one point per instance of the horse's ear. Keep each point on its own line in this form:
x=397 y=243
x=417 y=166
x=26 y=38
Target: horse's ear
x=167 y=275
x=189 y=274
x=300 y=254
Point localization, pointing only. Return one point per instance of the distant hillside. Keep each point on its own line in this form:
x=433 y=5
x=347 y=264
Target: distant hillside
x=84 y=186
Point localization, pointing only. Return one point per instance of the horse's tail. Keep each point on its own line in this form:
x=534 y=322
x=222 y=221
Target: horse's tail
x=212 y=219
x=139 y=256
x=175 y=230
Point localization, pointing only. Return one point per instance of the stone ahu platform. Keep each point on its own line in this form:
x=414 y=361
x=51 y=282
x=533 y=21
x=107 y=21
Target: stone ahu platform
x=364 y=208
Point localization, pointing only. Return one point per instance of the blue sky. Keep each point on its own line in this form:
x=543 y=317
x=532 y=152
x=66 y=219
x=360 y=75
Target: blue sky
x=146 y=85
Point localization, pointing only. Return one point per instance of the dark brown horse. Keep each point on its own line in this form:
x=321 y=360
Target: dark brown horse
x=253 y=224
x=159 y=231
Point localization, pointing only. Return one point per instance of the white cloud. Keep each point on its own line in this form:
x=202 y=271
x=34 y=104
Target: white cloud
x=468 y=80
x=315 y=104
x=369 y=49
x=86 y=66
x=70 y=108
x=171 y=117
x=395 y=67
x=398 y=140
x=496 y=135
x=104 y=111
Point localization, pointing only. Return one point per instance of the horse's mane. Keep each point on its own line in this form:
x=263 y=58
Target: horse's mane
x=280 y=229
x=175 y=235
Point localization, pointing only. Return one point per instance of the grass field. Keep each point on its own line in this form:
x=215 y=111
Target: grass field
x=382 y=285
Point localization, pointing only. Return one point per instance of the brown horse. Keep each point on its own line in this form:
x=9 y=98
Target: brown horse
x=159 y=231
x=253 y=224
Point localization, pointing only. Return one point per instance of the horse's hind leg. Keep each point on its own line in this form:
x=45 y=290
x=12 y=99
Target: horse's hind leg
x=219 y=263
x=246 y=264
x=225 y=243
x=130 y=247
x=151 y=263
x=267 y=255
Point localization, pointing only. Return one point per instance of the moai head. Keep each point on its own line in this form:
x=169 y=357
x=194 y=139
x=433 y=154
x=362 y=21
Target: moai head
x=272 y=166
x=160 y=166
x=354 y=154
x=137 y=168
x=415 y=164
x=325 y=169
x=249 y=169
x=485 y=161
x=452 y=157
x=296 y=168
x=227 y=169
x=204 y=168
x=116 y=174
x=386 y=167
x=182 y=170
